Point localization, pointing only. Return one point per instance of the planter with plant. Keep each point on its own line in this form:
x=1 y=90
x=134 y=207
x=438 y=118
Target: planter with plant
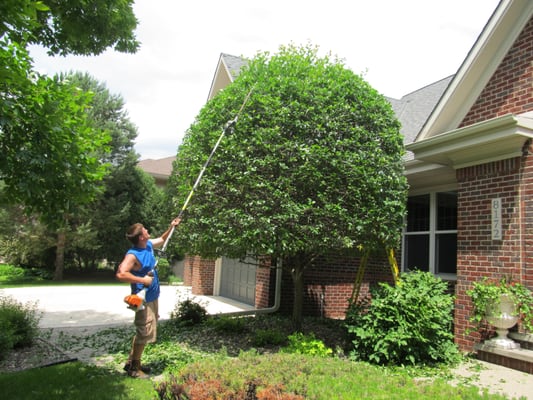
x=501 y=304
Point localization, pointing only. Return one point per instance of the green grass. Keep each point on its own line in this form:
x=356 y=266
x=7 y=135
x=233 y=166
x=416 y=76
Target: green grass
x=324 y=378
x=198 y=356
x=225 y=357
x=12 y=277
x=73 y=381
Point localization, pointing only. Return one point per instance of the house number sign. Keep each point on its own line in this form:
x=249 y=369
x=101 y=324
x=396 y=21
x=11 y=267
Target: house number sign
x=496 y=220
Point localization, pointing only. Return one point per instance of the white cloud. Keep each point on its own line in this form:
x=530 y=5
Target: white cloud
x=402 y=46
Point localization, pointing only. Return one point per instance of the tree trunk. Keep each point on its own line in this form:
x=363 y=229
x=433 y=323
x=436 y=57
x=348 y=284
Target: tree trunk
x=60 y=254
x=297 y=273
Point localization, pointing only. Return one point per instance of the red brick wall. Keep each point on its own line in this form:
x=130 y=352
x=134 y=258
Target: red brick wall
x=510 y=90
x=264 y=281
x=202 y=275
x=477 y=254
x=187 y=270
x=328 y=284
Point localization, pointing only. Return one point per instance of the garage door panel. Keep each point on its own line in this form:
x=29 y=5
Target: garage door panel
x=237 y=280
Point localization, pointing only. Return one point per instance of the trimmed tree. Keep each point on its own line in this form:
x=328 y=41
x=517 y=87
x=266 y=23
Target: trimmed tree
x=313 y=166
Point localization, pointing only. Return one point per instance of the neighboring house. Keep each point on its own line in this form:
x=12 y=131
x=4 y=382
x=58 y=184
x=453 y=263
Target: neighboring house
x=160 y=169
x=470 y=172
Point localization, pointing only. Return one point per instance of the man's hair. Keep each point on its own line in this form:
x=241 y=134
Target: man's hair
x=134 y=232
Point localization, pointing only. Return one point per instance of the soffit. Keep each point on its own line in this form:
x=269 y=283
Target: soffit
x=496 y=139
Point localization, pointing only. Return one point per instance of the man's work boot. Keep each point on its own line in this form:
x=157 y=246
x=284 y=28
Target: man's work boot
x=135 y=370
x=144 y=368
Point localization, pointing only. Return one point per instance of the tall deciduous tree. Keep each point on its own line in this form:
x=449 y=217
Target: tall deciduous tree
x=49 y=147
x=314 y=165
x=127 y=195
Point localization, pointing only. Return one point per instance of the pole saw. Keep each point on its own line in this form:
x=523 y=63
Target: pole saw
x=228 y=128
x=136 y=301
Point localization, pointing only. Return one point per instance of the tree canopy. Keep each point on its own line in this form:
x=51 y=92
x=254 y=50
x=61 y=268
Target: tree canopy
x=314 y=163
x=313 y=166
x=82 y=27
x=49 y=147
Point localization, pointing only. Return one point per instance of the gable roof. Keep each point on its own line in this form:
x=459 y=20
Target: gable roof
x=413 y=109
x=491 y=47
x=443 y=141
x=159 y=169
x=227 y=70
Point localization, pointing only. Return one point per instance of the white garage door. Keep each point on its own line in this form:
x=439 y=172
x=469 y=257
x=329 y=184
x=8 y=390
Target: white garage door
x=237 y=280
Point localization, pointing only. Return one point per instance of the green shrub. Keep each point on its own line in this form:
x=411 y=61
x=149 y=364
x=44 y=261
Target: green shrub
x=228 y=324
x=10 y=271
x=188 y=313
x=11 y=274
x=265 y=337
x=19 y=324
x=410 y=323
x=307 y=345
x=164 y=270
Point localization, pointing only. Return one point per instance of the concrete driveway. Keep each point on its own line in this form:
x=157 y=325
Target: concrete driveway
x=91 y=305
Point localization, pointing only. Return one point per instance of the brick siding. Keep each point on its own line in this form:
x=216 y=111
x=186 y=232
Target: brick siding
x=509 y=89
x=479 y=256
x=199 y=273
x=329 y=283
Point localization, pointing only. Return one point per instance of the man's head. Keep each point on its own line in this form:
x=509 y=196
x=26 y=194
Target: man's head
x=136 y=233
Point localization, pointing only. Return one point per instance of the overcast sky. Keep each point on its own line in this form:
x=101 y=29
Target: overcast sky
x=397 y=45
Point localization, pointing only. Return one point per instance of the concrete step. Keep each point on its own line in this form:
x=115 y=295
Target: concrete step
x=520 y=359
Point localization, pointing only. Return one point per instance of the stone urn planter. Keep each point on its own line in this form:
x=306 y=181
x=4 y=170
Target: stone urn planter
x=502 y=314
x=500 y=303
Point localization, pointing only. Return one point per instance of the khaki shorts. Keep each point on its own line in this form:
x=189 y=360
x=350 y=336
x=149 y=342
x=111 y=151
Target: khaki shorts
x=146 y=323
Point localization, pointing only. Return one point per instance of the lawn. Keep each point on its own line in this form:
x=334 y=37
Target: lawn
x=228 y=358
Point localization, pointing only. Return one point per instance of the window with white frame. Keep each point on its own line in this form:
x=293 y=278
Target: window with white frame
x=430 y=236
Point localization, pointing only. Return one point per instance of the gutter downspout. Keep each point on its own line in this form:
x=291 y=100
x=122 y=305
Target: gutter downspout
x=260 y=311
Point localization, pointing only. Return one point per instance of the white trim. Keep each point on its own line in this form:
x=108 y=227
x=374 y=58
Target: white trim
x=218 y=274
x=491 y=47
x=432 y=232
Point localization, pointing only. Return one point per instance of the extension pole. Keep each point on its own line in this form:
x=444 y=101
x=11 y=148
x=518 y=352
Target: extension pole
x=227 y=128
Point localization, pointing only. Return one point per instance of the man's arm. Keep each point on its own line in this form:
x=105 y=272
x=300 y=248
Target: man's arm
x=158 y=242
x=124 y=271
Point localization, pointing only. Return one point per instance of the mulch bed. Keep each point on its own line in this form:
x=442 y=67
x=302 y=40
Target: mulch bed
x=41 y=354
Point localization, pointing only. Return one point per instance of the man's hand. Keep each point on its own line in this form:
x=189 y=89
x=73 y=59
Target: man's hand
x=147 y=280
x=175 y=222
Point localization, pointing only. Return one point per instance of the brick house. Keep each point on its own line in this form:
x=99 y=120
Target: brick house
x=470 y=171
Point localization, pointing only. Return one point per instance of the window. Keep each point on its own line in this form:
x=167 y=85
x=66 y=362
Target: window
x=430 y=237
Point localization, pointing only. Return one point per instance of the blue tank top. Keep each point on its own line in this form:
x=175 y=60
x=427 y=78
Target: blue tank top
x=147 y=260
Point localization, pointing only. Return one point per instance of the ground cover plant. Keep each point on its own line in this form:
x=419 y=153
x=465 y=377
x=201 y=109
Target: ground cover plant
x=259 y=357
x=204 y=361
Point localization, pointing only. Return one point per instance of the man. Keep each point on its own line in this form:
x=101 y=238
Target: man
x=138 y=269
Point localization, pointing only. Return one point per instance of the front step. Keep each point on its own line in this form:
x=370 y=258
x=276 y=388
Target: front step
x=519 y=359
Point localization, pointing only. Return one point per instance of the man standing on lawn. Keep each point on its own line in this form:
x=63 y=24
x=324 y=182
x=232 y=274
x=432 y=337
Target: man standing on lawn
x=138 y=269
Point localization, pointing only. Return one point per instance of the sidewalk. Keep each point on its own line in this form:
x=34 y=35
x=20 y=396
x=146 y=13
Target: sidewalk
x=91 y=305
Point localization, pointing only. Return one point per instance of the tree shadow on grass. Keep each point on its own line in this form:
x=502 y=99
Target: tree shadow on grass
x=73 y=380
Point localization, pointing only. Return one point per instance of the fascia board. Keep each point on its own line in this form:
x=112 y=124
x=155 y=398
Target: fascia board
x=480 y=64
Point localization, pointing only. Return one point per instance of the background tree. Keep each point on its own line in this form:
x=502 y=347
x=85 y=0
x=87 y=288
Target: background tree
x=313 y=166
x=129 y=195
x=94 y=230
x=49 y=161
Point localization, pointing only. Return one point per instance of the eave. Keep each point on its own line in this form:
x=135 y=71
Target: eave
x=492 y=140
